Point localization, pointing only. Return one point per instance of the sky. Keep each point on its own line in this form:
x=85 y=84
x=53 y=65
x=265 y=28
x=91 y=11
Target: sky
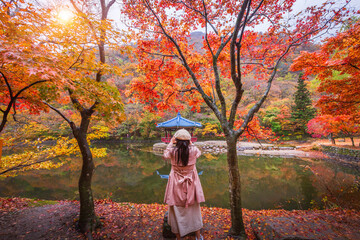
x=298 y=6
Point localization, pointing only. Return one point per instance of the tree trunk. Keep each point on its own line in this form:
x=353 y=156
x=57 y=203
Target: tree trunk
x=87 y=220
x=5 y=116
x=237 y=229
x=1 y=146
x=352 y=141
x=332 y=138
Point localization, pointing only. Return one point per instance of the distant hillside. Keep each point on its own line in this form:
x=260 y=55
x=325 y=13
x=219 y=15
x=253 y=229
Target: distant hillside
x=197 y=34
x=197 y=38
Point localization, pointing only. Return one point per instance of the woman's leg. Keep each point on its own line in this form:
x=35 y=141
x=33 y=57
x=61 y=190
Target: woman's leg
x=177 y=236
x=198 y=235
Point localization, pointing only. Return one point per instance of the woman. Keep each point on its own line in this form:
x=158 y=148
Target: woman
x=183 y=192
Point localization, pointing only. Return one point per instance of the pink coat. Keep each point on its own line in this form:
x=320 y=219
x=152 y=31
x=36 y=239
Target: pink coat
x=183 y=187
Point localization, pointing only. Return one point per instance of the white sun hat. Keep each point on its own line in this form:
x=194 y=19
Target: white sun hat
x=182 y=134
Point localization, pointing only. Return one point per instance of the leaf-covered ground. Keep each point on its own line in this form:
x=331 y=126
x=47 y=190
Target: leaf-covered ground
x=28 y=219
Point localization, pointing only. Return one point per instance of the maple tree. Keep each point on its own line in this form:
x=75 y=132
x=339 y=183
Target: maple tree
x=94 y=96
x=322 y=125
x=24 y=68
x=52 y=49
x=336 y=66
x=254 y=131
x=173 y=73
x=25 y=74
x=329 y=125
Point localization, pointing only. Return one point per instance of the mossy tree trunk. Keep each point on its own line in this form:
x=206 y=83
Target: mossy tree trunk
x=237 y=227
x=87 y=220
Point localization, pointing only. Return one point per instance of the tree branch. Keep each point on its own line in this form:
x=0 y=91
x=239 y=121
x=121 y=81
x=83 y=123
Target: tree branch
x=239 y=18
x=189 y=90
x=354 y=66
x=254 y=134
x=92 y=108
x=206 y=98
x=23 y=165
x=159 y=54
x=257 y=63
x=77 y=105
x=166 y=100
x=108 y=7
x=77 y=59
x=235 y=60
x=203 y=15
x=7 y=84
x=295 y=42
x=29 y=86
x=257 y=106
x=58 y=112
x=13 y=101
x=14 y=109
x=206 y=30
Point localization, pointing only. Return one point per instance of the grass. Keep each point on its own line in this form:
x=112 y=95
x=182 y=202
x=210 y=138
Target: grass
x=40 y=203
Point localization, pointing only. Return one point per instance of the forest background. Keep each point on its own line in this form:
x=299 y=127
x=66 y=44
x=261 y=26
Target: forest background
x=294 y=109
x=278 y=114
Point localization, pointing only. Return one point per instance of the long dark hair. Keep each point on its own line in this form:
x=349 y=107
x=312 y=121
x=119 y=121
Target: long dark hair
x=182 y=151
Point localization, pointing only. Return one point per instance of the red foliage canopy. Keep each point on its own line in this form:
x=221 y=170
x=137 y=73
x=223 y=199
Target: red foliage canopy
x=337 y=66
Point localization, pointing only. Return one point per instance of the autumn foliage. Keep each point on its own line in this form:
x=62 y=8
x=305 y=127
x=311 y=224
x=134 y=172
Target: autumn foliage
x=336 y=65
x=42 y=61
x=174 y=73
x=339 y=56
x=71 y=58
x=339 y=125
x=46 y=64
x=164 y=82
x=28 y=65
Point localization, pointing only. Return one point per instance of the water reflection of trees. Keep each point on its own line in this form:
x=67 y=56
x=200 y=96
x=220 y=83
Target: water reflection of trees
x=339 y=186
x=130 y=175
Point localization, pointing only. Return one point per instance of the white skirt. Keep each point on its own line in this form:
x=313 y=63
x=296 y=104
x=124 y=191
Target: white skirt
x=185 y=220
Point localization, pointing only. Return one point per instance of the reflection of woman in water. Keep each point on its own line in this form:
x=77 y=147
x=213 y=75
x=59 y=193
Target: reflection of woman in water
x=183 y=192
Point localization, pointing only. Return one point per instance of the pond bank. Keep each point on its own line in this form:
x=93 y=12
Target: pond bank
x=345 y=156
x=247 y=149
x=144 y=221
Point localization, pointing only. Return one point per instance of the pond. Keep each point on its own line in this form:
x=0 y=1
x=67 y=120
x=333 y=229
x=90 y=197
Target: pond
x=128 y=174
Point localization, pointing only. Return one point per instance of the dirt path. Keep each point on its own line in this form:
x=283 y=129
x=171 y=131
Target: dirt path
x=46 y=222
x=144 y=221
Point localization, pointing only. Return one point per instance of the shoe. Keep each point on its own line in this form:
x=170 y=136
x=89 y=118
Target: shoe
x=201 y=238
